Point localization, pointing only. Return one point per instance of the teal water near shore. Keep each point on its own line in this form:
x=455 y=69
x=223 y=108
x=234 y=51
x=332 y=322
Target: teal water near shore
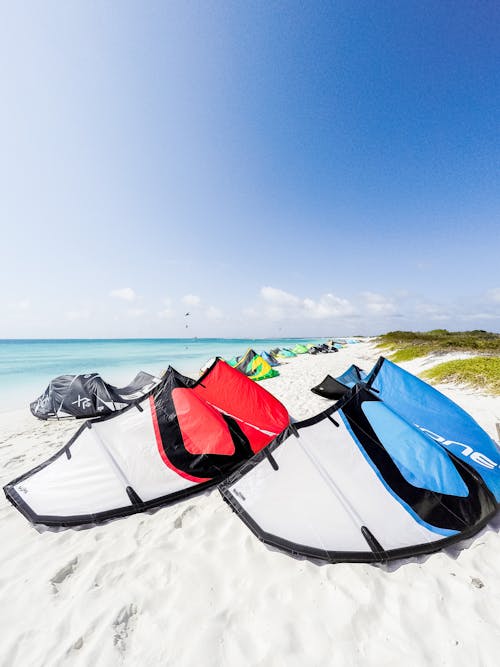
x=27 y=366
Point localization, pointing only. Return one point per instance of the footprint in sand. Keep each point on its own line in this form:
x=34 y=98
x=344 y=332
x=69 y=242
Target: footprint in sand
x=15 y=459
x=477 y=583
x=123 y=625
x=6 y=443
x=180 y=519
x=62 y=574
x=76 y=646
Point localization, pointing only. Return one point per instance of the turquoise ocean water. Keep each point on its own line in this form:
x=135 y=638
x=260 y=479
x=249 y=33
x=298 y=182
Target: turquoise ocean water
x=27 y=366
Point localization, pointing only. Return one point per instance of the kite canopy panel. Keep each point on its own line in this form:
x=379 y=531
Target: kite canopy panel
x=334 y=388
x=321 y=347
x=439 y=418
x=300 y=349
x=255 y=367
x=330 y=388
x=270 y=358
x=352 y=376
x=362 y=483
x=88 y=395
x=285 y=353
x=182 y=437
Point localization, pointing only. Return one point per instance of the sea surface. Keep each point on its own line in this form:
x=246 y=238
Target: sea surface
x=27 y=366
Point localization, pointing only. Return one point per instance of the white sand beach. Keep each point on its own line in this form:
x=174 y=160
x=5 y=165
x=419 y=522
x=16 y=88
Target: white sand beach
x=190 y=585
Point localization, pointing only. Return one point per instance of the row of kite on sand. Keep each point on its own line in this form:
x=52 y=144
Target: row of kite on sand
x=263 y=366
x=390 y=468
x=89 y=395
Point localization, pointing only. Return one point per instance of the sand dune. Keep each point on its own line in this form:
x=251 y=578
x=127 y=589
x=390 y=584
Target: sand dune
x=189 y=584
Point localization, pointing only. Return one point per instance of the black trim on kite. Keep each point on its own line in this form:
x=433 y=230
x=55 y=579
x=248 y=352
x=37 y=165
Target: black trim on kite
x=373 y=543
x=346 y=556
x=271 y=459
x=134 y=497
x=373 y=373
x=335 y=423
x=101 y=517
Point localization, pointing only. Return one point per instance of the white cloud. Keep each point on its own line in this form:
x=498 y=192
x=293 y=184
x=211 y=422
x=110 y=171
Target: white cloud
x=191 y=300
x=369 y=309
x=124 y=293
x=328 y=305
x=279 y=297
x=378 y=304
x=283 y=305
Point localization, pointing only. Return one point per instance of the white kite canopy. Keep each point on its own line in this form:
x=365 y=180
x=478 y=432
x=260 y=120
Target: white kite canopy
x=362 y=483
x=182 y=437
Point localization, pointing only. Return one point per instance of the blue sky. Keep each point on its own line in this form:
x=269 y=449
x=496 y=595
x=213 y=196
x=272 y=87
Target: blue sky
x=274 y=168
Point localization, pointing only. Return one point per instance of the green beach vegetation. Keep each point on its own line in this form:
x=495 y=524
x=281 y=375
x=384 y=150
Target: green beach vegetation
x=407 y=345
x=481 y=371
